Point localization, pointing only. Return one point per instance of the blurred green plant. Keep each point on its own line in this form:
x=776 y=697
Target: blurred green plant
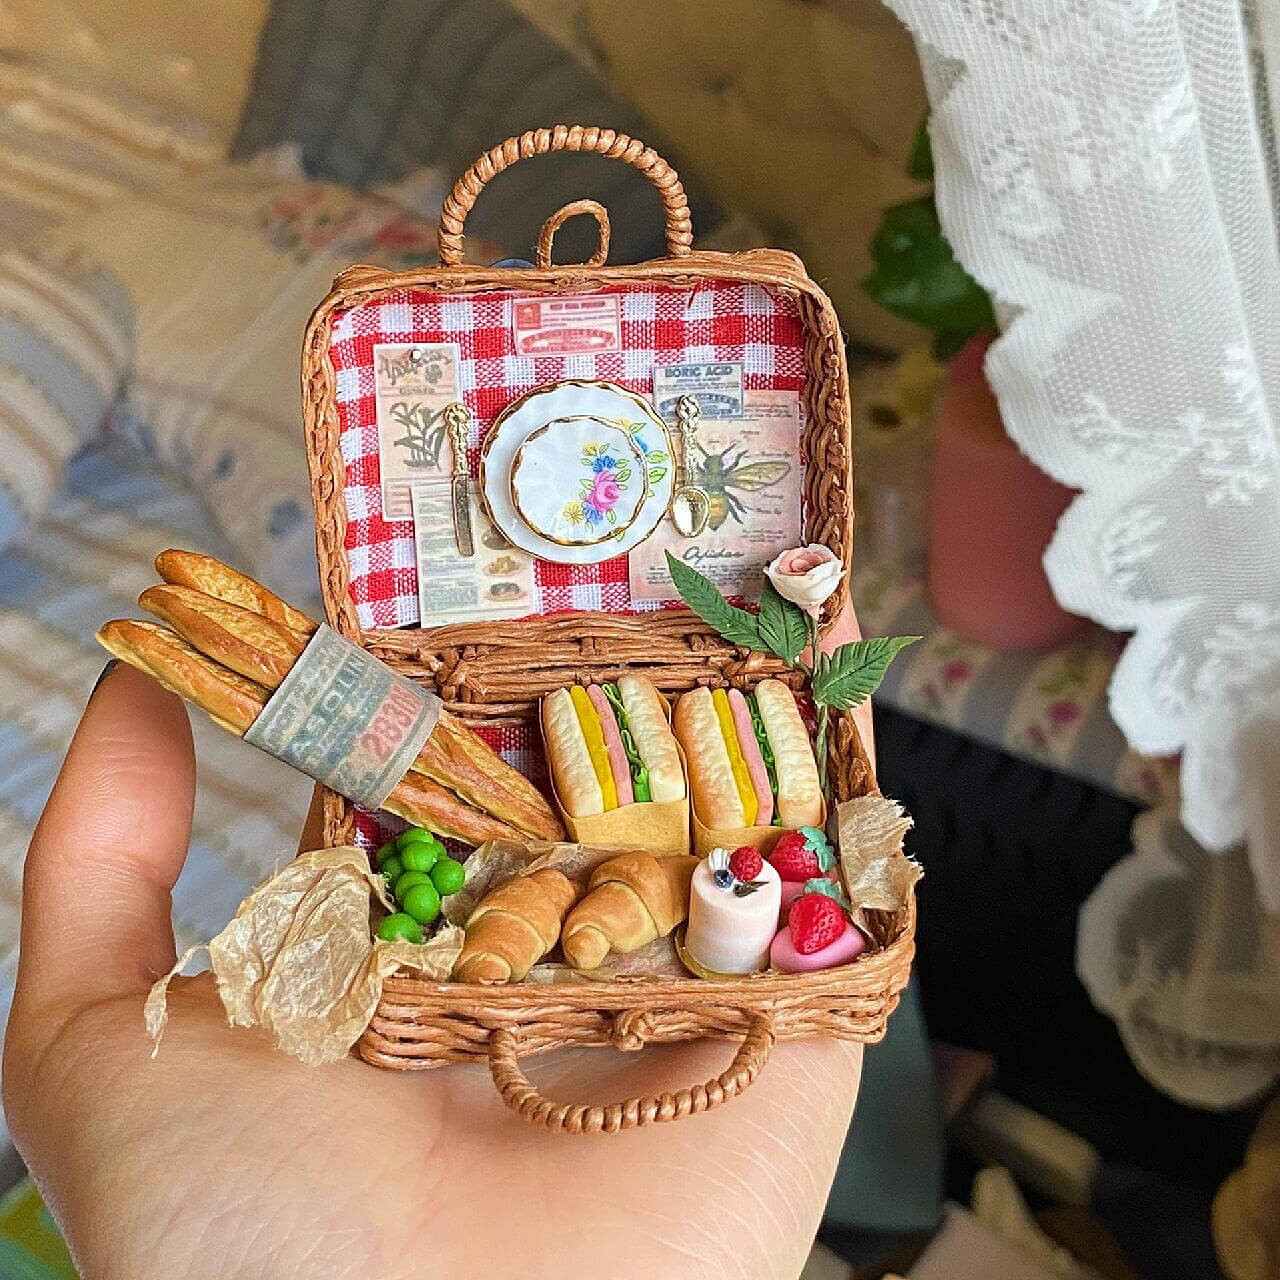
x=916 y=275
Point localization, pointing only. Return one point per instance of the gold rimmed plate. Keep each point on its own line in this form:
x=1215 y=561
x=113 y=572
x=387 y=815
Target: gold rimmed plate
x=579 y=481
x=606 y=403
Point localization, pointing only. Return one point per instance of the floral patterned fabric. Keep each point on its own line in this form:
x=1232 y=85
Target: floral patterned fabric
x=1050 y=708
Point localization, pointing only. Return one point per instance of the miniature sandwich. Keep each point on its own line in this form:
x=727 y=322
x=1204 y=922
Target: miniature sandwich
x=751 y=764
x=609 y=746
x=618 y=776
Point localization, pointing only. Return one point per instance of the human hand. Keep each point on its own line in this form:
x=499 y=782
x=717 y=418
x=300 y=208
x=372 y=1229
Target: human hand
x=224 y=1157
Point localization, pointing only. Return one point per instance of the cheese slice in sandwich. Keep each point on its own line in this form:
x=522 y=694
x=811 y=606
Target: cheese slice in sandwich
x=741 y=774
x=597 y=750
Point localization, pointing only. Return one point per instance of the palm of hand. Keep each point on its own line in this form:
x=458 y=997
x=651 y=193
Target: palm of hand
x=224 y=1157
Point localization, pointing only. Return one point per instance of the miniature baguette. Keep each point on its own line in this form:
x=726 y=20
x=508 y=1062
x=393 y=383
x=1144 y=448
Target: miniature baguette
x=235 y=702
x=213 y=578
x=513 y=927
x=264 y=650
x=632 y=899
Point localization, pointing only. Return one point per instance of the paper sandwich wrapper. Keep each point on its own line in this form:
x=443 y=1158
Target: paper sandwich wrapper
x=655 y=827
x=762 y=838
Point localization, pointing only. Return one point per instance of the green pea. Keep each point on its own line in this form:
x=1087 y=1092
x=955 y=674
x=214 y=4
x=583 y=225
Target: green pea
x=419 y=856
x=393 y=868
x=422 y=902
x=414 y=833
x=386 y=851
x=447 y=876
x=400 y=928
x=407 y=881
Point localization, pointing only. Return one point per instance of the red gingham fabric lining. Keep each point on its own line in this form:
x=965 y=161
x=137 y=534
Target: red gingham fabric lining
x=713 y=321
x=661 y=325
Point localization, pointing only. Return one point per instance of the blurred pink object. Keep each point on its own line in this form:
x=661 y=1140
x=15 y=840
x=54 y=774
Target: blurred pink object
x=993 y=515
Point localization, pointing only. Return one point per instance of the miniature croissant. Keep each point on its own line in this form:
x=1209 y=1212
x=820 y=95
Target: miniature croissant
x=632 y=899
x=513 y=927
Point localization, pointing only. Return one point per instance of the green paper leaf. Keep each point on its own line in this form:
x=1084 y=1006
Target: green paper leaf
x=783 y=626
x=855 y=670
x=701 y=595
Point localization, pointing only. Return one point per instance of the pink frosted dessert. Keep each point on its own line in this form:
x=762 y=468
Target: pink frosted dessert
x=784 y=956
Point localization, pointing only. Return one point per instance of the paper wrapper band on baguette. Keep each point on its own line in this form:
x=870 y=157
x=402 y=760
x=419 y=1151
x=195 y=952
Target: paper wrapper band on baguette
x=723 y=775
x=604 y=742
x=234 y=703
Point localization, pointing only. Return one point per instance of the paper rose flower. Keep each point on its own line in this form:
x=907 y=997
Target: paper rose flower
x=806 y=576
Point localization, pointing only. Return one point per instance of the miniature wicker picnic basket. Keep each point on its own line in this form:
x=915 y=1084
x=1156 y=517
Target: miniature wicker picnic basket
x=492 y=674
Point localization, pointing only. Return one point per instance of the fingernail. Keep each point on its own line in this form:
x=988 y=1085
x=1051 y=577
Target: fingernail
x=103 y=674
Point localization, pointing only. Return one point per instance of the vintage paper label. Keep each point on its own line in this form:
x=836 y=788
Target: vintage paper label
x=716 y=387
x=566 y=326
x=413 y=382
x=496 y=582
x=750 y=469
x=346 y=719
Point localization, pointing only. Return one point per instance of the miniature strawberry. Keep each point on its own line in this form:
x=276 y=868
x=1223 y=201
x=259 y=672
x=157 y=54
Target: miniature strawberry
x=746 y=863
x=793 y=858
x=816 y=921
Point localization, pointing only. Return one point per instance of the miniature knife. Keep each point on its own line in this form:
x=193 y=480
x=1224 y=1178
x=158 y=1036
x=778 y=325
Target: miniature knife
x=456 y=418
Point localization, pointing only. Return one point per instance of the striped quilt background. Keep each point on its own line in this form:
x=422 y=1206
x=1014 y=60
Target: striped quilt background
x=85 y=562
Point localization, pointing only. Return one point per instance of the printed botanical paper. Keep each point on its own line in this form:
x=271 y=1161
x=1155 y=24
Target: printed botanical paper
x=412 y=382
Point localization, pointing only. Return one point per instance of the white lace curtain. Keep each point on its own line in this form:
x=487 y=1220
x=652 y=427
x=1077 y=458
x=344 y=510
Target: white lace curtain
x=1107 y=169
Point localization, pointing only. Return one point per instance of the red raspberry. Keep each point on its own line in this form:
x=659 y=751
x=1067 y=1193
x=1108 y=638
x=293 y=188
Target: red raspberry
x=816 y=921
x=746 y=863
x=792 y=858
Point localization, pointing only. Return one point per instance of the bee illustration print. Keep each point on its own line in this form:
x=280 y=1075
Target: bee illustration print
x=718 y=473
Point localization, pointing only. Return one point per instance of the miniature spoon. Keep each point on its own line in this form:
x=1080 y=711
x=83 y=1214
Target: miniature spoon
x=690 y=505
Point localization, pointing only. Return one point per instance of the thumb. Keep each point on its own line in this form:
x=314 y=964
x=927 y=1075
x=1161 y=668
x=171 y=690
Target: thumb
x=107 y=851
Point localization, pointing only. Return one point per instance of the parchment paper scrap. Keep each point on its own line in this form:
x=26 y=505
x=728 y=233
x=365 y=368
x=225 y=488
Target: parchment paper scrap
x=298 y=959
x=499 y=860
x=877 y=874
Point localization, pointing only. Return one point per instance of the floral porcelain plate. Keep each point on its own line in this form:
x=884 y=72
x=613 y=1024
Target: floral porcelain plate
x=608 y=405
x=579 y=480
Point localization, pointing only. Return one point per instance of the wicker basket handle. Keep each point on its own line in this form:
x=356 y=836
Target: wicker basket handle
x=560 y=217
x=634 y=1113
x=565 y=137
